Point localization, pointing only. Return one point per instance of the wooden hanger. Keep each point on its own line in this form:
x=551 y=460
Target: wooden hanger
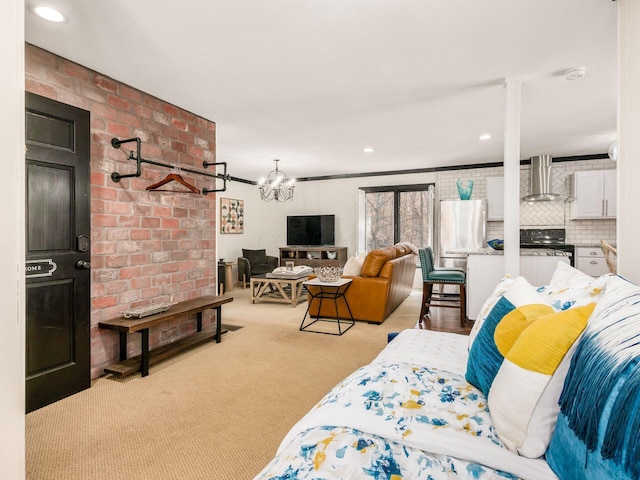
x=173 y=177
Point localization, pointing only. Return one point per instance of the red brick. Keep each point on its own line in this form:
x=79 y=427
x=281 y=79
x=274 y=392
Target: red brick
x=103 y=221
x=138 y=234
x=103 y=302
x=142 y=111
x=117 y=287
x=161 y=234
x=118 y=102
x=150 y=292
x=42 y=57
x=150 y=270
x=39 y=88
x=179 y=255
x=179 y=124
x=97 y=206
x=170 y=223
x=104 y=193
x=124 y=221
x=128 y=119
x=140 y=283
x=161 y=211
x=105 y=83
x=118 y=207
x=170 y=110
x=115 y=261
x=102 y=248
x=75 y=70
x=186 y=286
x=130 y=93
x=129 y=272
x=169 y=267
x=60 y=80
x=118 y=130
x=150 y=222
x=139 y=259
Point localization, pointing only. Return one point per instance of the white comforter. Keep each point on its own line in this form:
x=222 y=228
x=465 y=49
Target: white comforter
x=408 y=414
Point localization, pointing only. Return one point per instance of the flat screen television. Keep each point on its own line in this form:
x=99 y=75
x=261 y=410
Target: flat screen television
x=311 y=230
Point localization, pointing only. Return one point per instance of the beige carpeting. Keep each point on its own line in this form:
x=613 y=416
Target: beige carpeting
x=218 y=411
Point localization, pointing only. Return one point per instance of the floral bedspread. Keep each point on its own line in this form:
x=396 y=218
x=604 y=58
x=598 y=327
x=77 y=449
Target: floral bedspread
x=398 y=421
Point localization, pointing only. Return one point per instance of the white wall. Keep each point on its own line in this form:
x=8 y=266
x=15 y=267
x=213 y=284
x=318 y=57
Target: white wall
x=12 y=343
x=265 y=222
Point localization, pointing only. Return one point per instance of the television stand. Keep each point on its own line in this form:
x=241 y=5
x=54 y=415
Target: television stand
x=313 y=256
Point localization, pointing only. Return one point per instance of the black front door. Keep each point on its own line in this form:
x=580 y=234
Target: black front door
x=58 y=358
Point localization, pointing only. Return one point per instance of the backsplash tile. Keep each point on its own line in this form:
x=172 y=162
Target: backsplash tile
x=540 y=214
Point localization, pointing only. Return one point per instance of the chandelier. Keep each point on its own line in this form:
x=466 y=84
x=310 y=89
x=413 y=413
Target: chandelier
x=276 y=186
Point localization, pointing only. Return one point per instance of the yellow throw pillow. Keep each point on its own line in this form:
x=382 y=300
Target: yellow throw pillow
x=523 y=399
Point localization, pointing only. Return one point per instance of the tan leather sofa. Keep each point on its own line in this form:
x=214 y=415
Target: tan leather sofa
x=385 y=281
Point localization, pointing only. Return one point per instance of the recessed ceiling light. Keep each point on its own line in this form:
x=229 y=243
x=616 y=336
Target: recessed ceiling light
x=485 y=136
x=48 y=13
x=368 y=150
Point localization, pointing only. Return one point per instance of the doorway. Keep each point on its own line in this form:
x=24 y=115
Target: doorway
x=58 y=356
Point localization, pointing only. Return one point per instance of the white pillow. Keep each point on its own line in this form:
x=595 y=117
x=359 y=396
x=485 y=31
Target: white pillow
x=353 y=267
x=408 y=245
x=570 y=287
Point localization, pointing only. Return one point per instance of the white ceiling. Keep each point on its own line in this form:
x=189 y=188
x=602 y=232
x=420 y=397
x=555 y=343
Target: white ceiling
x=312 y=82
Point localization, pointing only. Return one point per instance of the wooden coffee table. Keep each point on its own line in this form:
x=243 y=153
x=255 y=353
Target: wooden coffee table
x=273 y=288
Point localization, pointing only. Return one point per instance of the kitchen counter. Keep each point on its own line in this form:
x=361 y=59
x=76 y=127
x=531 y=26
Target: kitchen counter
x=524 y=252
x=486 y=267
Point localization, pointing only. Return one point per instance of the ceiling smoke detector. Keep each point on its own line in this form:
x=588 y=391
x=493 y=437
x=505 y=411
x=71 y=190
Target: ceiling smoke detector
x=574 y=73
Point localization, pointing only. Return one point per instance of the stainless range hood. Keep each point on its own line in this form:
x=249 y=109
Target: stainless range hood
x=541 y=181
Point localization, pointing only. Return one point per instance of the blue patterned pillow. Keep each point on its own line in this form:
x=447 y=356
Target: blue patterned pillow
x=597 y=435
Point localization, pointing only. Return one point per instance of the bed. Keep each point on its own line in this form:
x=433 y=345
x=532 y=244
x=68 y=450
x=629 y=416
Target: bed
x=370 y=425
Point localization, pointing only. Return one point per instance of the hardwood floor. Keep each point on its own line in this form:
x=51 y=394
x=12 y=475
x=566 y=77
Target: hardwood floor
x=444 y=320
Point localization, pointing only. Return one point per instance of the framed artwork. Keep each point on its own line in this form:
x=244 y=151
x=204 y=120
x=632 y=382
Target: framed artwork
x=231 y=215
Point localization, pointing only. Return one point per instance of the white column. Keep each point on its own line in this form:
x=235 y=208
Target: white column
x=513 y=90
x=12 y=340
x=628 y=234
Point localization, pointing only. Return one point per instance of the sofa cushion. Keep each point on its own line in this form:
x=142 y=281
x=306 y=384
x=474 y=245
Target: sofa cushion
x=353 y=267
x=376 y=259
x=523 y=399
x=255 y=257
x=597 y=431
x=485 y=358
x=408 y=245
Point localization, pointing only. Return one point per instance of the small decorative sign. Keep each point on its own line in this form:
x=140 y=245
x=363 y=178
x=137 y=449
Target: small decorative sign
x=40 y=268
x=231 y=215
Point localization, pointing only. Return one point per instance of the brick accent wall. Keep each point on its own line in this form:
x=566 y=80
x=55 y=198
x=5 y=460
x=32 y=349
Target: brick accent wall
x=147 y=247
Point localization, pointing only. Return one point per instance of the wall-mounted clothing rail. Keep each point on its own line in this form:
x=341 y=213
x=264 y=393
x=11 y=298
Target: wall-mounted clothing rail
x=116 y=177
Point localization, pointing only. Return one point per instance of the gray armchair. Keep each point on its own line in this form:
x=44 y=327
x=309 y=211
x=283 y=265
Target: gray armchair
x=254 y=262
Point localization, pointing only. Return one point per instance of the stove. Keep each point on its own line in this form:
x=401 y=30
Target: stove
x=552 y=238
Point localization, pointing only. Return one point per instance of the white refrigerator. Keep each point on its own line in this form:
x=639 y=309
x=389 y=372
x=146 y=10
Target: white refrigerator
x=463 y=228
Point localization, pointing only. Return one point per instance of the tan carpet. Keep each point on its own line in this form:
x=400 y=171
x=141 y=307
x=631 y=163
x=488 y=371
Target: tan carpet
x=218 y=411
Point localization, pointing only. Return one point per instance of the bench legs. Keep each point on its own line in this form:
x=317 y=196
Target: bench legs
x=144 y=341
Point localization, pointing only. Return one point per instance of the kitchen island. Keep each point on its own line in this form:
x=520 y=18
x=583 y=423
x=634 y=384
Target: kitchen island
x=485 y=268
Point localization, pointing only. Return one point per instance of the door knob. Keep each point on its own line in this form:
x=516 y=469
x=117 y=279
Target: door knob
x=83 y=264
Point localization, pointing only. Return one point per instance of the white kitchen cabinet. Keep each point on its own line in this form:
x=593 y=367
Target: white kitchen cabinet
x=495 y=198
x=590 y=260
x=595 y=194
x=484 y=272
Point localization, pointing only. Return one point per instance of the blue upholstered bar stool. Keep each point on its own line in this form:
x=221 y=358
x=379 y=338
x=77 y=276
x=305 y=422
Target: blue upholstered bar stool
x=440 y=276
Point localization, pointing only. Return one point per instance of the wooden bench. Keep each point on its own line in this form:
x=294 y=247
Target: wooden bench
x=142 y=362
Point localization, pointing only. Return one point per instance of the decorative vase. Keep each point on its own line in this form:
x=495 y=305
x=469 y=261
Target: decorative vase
x=465 y=192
